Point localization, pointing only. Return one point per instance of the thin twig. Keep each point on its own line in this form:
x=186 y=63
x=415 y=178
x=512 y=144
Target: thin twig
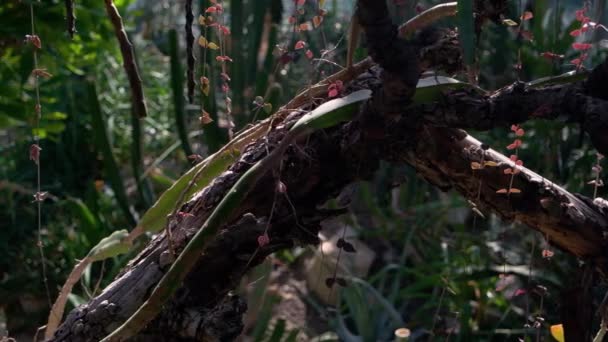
x=70 y=17
x=38 y=195
x=128 y=56
x=189 y=50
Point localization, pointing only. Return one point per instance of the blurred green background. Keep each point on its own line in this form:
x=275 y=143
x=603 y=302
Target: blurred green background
x=432 y=265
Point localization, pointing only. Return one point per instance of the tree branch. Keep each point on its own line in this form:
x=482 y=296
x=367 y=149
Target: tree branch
x=331 y=160
x=128 y=60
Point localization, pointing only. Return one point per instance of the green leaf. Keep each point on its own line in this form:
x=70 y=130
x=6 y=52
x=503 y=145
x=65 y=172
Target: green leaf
x=102 y=142
x=568 y=77
x=431 y=88
x=332 y=112
x=87 y=219
x=155 y=218
x=110 y=246
x=177 y=86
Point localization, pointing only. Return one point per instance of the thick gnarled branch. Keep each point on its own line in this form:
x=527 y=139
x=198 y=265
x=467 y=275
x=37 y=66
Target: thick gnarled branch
x=520 y=102
x=332 y=160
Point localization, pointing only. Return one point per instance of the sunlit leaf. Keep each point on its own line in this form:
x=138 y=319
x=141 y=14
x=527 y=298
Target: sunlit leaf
x=557 y=331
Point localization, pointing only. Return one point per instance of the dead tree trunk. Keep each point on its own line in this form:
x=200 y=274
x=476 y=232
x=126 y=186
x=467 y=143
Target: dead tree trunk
x=428 y=138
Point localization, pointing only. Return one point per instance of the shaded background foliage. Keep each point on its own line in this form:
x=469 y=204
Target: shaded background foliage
x=436 y=266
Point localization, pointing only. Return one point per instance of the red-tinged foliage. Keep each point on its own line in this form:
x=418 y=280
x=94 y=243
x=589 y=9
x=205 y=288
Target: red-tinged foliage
x=552 y=56
x=281 y=188
x=263 y=240
x=224 y=29
x=514 y=145
x=519 y=292
x=581 y=46
x=578 y=62
x=223 y=59
x=34 y=40
x=334 y=89
x=183 y=214
x=35 y=153
x=547 y=253
x=300 y=44
x=309 y=54
x=527 y=15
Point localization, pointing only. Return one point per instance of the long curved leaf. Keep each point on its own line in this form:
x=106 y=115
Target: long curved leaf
x=324 y=116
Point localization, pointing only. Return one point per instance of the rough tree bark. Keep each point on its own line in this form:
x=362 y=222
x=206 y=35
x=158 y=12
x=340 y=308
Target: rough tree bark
x=429 y=138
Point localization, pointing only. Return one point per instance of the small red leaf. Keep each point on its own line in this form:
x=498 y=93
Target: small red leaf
x=281 y=188
x=317 y=20
x=581 y=46
x=35 y=153
x=183 y=214
x=301 y=2
x=580 y=15
x=519 y=292
x=205 y=118
x=551 y=56
x=516 y=144
x=300 y=45
x=547 y=254
x=34 y=40
x=527 y=15
x=225 y=30
x=309 y=54
x=576 y=33
x=263 y=240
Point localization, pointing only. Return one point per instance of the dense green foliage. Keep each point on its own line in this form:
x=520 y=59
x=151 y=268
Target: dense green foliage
x=104 y=168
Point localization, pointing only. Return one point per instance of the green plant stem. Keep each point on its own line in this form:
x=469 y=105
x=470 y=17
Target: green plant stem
x=177 y=86
x=102 y=140
x=237 y=68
